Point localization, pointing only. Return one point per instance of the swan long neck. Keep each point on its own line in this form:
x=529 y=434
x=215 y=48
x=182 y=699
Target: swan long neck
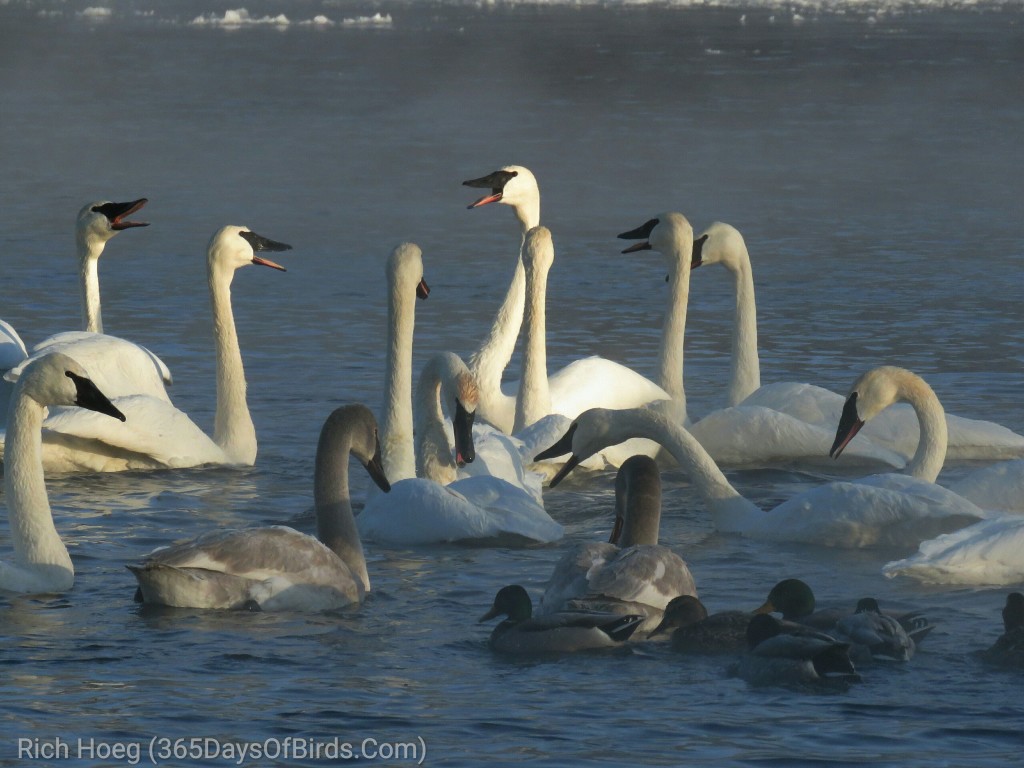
x=433 y=452
x=731 y=511
x=488 y=363
x=335 y=523
x=42 y=562
x=931 y=447
x=533 y=401
x=233 y=429
x=397 y=447
x=89 y=251
x=745 y=373
x=673 y=334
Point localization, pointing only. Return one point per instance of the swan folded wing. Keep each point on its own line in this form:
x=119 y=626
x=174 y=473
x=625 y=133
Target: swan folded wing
x=998 y=487
x=117 y=366
x=418 y=511
x=500 y=455
x=989 y=553
x=509 y=509
x=594 y=382
x=277 y=567
x=973 y=439
x=12 y=348
x=571 y=575
x=863 y=514
x=746 y=435
x=645 y=573
x=154 y=431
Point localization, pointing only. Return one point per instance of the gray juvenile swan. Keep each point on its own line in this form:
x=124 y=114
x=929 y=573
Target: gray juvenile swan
x=276 y=567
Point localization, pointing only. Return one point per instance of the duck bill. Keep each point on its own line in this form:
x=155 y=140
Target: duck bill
x=766 y=608
x=489 y=615
x=849 y=425
x=375 y=468
x=88 y=396
x=462 y=426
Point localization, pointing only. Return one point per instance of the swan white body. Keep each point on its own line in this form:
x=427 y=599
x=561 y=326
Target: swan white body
x=988 y=553
x=998 y=486
x=586 y=383
x=422 y=510
x=634 y=575
x=117 y=366
x=736 y=436
x=41 y=561
x=890 y=509
x=896 y=430
x=12 y=352
x=158 y=435
x=279 y=568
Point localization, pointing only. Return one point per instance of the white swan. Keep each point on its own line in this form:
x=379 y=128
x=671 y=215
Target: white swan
x=998 y=486
x=277 y=567
x=119 y=367
x=988 y=553
x=631 y=573
x=41 y=561
x=896 y=430
x=420 y=510
x=890 y=509
x=740 y=435
x=158 y=435
x=585 y=383
x=12 y=352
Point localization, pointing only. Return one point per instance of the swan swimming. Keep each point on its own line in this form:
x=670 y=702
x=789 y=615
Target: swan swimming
x=41 y=561
x=585 y=383
x=119 y=367
x=896 y=430
x=277 y=567
x=740 y=435
x=631 y=573
x=420 y=510
x=158 y=435
x=889 y=509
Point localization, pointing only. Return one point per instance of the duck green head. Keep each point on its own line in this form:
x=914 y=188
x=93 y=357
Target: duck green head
x=790 y=597
x=512 y=601
x=681 y=611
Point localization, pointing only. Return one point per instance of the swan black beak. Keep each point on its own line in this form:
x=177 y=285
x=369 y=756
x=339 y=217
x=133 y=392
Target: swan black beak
x=849 y=425
x=88 y=395
x=116 y=212
x=375 y=468
x=562 y=447
x=462 y=425
x=422 y=289
x=493 y=181
x=260 y=243
x=642 y=232
x=698 y=245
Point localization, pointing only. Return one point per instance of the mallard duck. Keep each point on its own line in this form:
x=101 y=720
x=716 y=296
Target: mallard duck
x=694 y=631
x=780 y=657
x=560 y=632
x=875 y=634
x=1008 y=649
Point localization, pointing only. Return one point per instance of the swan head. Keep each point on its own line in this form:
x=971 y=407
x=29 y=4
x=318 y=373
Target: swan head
x=591 y=431
x=637 y=502
x=232 y=247
x=870 y=394
x=352 y=429
x=512 y=185
x=405 y=271
x=512 y=601
x=98 y=222
x=667 y=233
x=56 y=379
x=719 y=244
x=792 y=598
